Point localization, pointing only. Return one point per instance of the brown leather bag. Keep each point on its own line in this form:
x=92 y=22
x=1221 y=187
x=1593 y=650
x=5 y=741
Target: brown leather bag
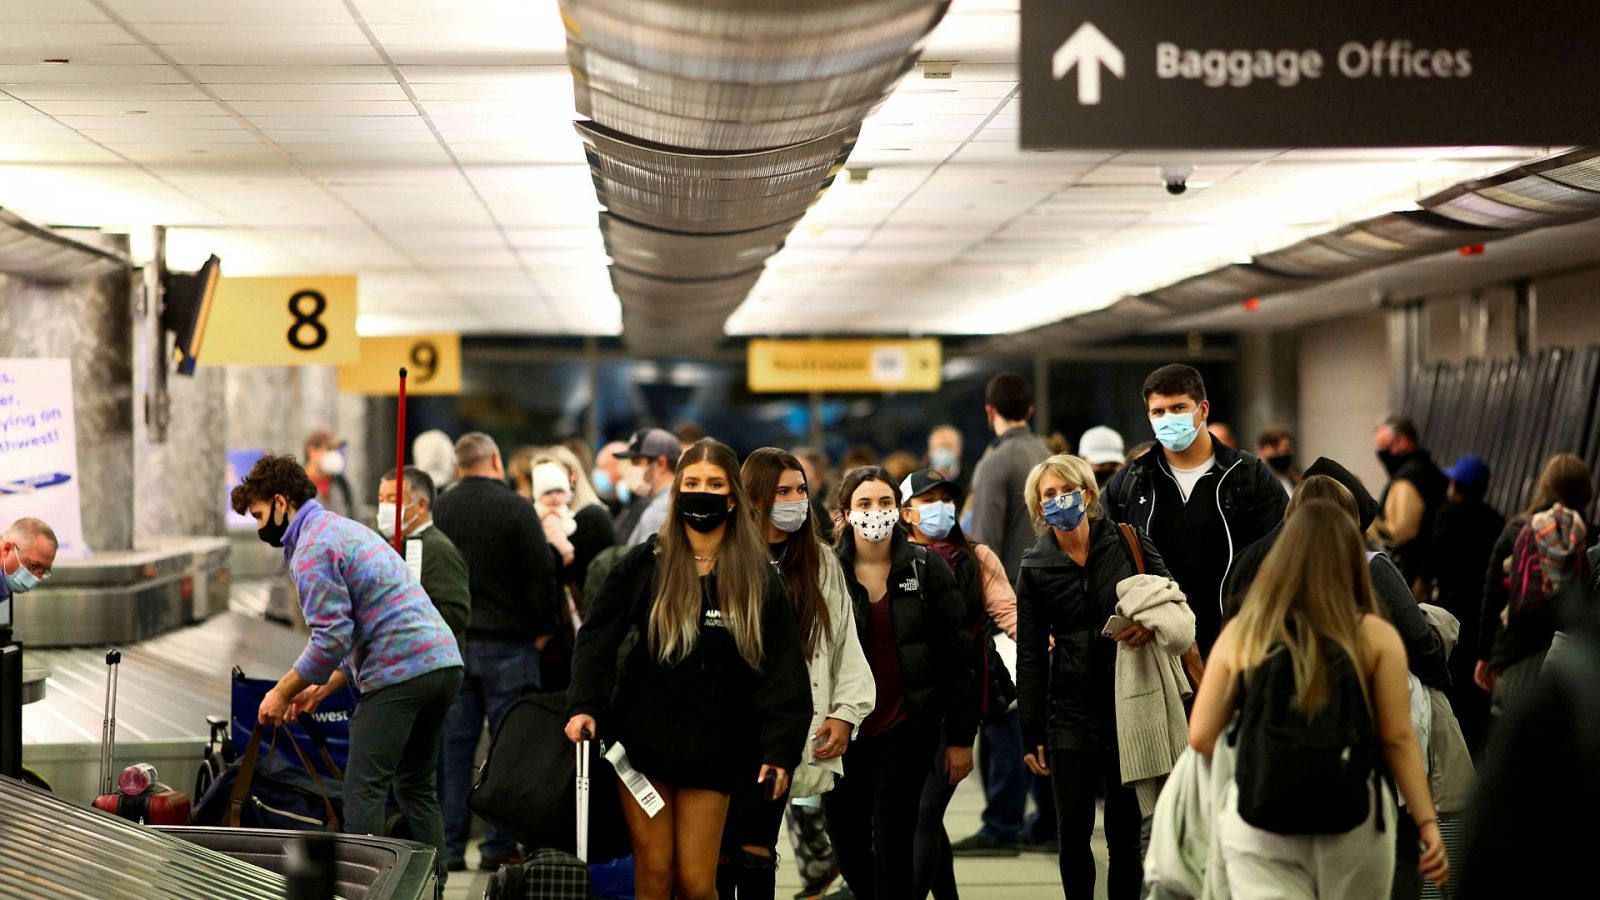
x=1193 y=665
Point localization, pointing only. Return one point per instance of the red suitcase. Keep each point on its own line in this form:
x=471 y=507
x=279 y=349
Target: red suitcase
x=137 y=796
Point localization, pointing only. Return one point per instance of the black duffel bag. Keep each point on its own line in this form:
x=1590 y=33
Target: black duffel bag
x=270 y=791
x=527 y=786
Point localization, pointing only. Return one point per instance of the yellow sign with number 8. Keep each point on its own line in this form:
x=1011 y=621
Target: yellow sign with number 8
x=282 y=321
x=432 y=362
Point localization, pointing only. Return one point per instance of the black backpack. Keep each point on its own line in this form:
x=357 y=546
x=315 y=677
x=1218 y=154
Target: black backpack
x=1305 y=776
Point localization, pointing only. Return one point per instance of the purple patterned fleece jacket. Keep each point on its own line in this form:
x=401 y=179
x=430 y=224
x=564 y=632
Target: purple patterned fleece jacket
x=365 y=610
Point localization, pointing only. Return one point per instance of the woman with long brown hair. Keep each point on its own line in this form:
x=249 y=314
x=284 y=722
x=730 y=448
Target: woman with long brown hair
x=710 y=692
x=910 y=616
x=841 y=683
x=1309 y=646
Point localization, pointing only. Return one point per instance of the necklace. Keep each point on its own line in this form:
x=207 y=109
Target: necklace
x=706 y=559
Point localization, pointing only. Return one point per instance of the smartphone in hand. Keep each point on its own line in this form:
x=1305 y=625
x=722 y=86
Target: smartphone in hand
x=769 y=786
x=1117 y=625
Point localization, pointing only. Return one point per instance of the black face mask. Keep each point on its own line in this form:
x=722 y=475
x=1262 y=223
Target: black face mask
x=1101 y=476
x=1280 y=463
x=1390 y=461
x=703 y=511
x=277 y=525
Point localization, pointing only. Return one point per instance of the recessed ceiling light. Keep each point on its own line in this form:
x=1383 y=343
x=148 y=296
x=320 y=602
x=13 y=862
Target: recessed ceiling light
x=54 y=61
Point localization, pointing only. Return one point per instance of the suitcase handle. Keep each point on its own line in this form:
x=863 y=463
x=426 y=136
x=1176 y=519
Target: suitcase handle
x=247 y=771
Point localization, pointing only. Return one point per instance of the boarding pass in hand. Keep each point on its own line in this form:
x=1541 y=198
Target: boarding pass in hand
x=639 y=786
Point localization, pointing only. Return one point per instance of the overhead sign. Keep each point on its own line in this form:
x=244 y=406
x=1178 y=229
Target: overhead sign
x=295 y=321
x=39 y=449
x=844 y=365
x=432 y=363
x=1113 y=74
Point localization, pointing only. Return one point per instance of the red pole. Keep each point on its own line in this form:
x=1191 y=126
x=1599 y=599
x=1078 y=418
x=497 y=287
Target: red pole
x=400 y=470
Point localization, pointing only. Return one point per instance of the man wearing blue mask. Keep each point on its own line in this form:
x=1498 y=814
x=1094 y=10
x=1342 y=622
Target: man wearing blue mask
x=1200 y=500
x=944 y=455
x=27 y=551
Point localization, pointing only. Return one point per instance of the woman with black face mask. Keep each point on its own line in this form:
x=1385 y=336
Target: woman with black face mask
x=711 y=693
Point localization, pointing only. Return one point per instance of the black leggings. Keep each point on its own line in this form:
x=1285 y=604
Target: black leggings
x=1074 y=774
x=933 y=865
x=872 y=811
x=753 y=821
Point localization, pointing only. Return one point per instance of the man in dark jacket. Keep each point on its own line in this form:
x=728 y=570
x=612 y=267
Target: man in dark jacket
x=1000 y=519
x=515 y=601
x=1198 y=499
x=1412 y=499
x=1464 y=533
x=433 y=557
x=1424 y=647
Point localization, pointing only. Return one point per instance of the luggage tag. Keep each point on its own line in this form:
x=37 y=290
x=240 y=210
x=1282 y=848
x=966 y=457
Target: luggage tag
x=638 y=785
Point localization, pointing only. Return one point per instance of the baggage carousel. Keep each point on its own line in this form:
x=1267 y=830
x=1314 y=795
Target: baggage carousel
x=168 y=685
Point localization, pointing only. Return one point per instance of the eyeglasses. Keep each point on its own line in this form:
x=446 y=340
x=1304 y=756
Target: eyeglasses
x=39 y=570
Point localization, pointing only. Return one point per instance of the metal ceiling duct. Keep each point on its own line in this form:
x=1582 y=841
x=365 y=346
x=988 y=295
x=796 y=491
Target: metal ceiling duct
x=695 y=99
x=738 y=129
x=712 y=48
x=672 y=162
x=1229 y=283
x=667 y=254
x=45 y=254
x=752 y=19
x=689 y=296
x=714 y=188
x=703 y=216
x=1421 y=230
x=1312 y=258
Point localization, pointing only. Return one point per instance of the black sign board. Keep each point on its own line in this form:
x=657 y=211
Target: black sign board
x=1202 y=74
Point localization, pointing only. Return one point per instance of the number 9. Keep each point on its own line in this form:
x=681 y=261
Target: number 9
x=425 y=356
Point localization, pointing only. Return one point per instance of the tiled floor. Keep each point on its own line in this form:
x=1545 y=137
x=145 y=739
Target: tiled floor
x=1028 y=877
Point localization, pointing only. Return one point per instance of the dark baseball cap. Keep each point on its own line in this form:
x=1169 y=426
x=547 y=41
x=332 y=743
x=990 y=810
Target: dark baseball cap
x=1468 y=469
x=924 y=480
x=654 y=442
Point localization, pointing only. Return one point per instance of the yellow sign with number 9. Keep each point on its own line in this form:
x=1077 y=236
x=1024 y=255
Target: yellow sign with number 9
x=432 y=362
x=282 y=321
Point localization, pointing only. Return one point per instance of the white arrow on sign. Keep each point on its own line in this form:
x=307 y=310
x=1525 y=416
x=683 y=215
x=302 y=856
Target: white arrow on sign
x=1088 y=49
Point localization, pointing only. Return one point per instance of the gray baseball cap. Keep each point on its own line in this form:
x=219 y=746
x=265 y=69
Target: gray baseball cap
x=654 y=442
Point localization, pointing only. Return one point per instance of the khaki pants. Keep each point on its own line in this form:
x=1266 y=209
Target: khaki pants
x=1262 y=865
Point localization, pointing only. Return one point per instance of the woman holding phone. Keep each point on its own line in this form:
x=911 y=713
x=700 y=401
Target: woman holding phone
x=1067 y=592
x=691 y=660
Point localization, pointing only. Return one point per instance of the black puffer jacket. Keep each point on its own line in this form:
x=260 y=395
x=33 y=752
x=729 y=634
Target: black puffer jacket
x=1067 y=694
x=930 y=626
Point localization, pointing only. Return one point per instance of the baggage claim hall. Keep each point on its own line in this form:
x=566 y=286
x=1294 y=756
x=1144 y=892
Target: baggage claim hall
x=738 y=450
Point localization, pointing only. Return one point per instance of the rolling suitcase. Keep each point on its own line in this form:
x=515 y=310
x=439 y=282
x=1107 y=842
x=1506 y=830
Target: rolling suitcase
x=551 y=874
x=137 y=796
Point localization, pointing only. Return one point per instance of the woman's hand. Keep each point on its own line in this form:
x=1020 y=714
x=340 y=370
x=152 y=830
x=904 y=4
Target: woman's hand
x=275 y=707
x=1038 y=763
x=580 y=729
x=958 y=762
x=1484 y=676
x=832 y=739
x=779 y=784
x=1136 y=635
x=1433 y=864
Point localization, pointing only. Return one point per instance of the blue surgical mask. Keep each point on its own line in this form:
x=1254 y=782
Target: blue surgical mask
x=945 y=460
x=1064 y=511
x=937 y=519
x=602 y=482
x=1175 y=431
x=22 y=581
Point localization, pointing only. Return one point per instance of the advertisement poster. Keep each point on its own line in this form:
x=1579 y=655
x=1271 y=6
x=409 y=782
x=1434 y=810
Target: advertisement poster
x=39 y=449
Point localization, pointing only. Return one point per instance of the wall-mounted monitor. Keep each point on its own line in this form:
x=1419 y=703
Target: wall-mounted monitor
x=186 y=307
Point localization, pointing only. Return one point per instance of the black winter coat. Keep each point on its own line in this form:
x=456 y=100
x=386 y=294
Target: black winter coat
x=1067 y=696
x=708 y=721
x=931 y=633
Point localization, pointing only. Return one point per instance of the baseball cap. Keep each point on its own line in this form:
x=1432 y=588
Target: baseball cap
x=1101 y=446
x=924 y=480
x=653 y=442
x=1468 y=469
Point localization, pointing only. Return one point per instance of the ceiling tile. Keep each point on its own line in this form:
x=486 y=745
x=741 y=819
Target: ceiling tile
x=323 y=92
x=283 y=55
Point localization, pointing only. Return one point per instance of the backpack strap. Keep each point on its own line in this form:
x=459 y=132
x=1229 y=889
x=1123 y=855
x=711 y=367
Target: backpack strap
x=919 y=562
x=1130 y=538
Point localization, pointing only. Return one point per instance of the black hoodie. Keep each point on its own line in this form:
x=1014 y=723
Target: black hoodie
x=1424 y=647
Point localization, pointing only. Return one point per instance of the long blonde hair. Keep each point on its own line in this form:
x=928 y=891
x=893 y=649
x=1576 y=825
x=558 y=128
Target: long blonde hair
x=1314 y=587
x=583 y=493
x=743 y=568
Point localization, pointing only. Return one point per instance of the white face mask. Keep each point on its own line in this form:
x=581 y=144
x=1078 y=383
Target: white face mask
x=332 y=463
x=386 y=519
x=874 y=525
x=789 y=515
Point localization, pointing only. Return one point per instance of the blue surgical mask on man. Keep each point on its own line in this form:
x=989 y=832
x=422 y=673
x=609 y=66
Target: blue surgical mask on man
x=1064 y=511
x=21 y=581
x=937 y=519
x=1175 y=431
x=945 y=460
